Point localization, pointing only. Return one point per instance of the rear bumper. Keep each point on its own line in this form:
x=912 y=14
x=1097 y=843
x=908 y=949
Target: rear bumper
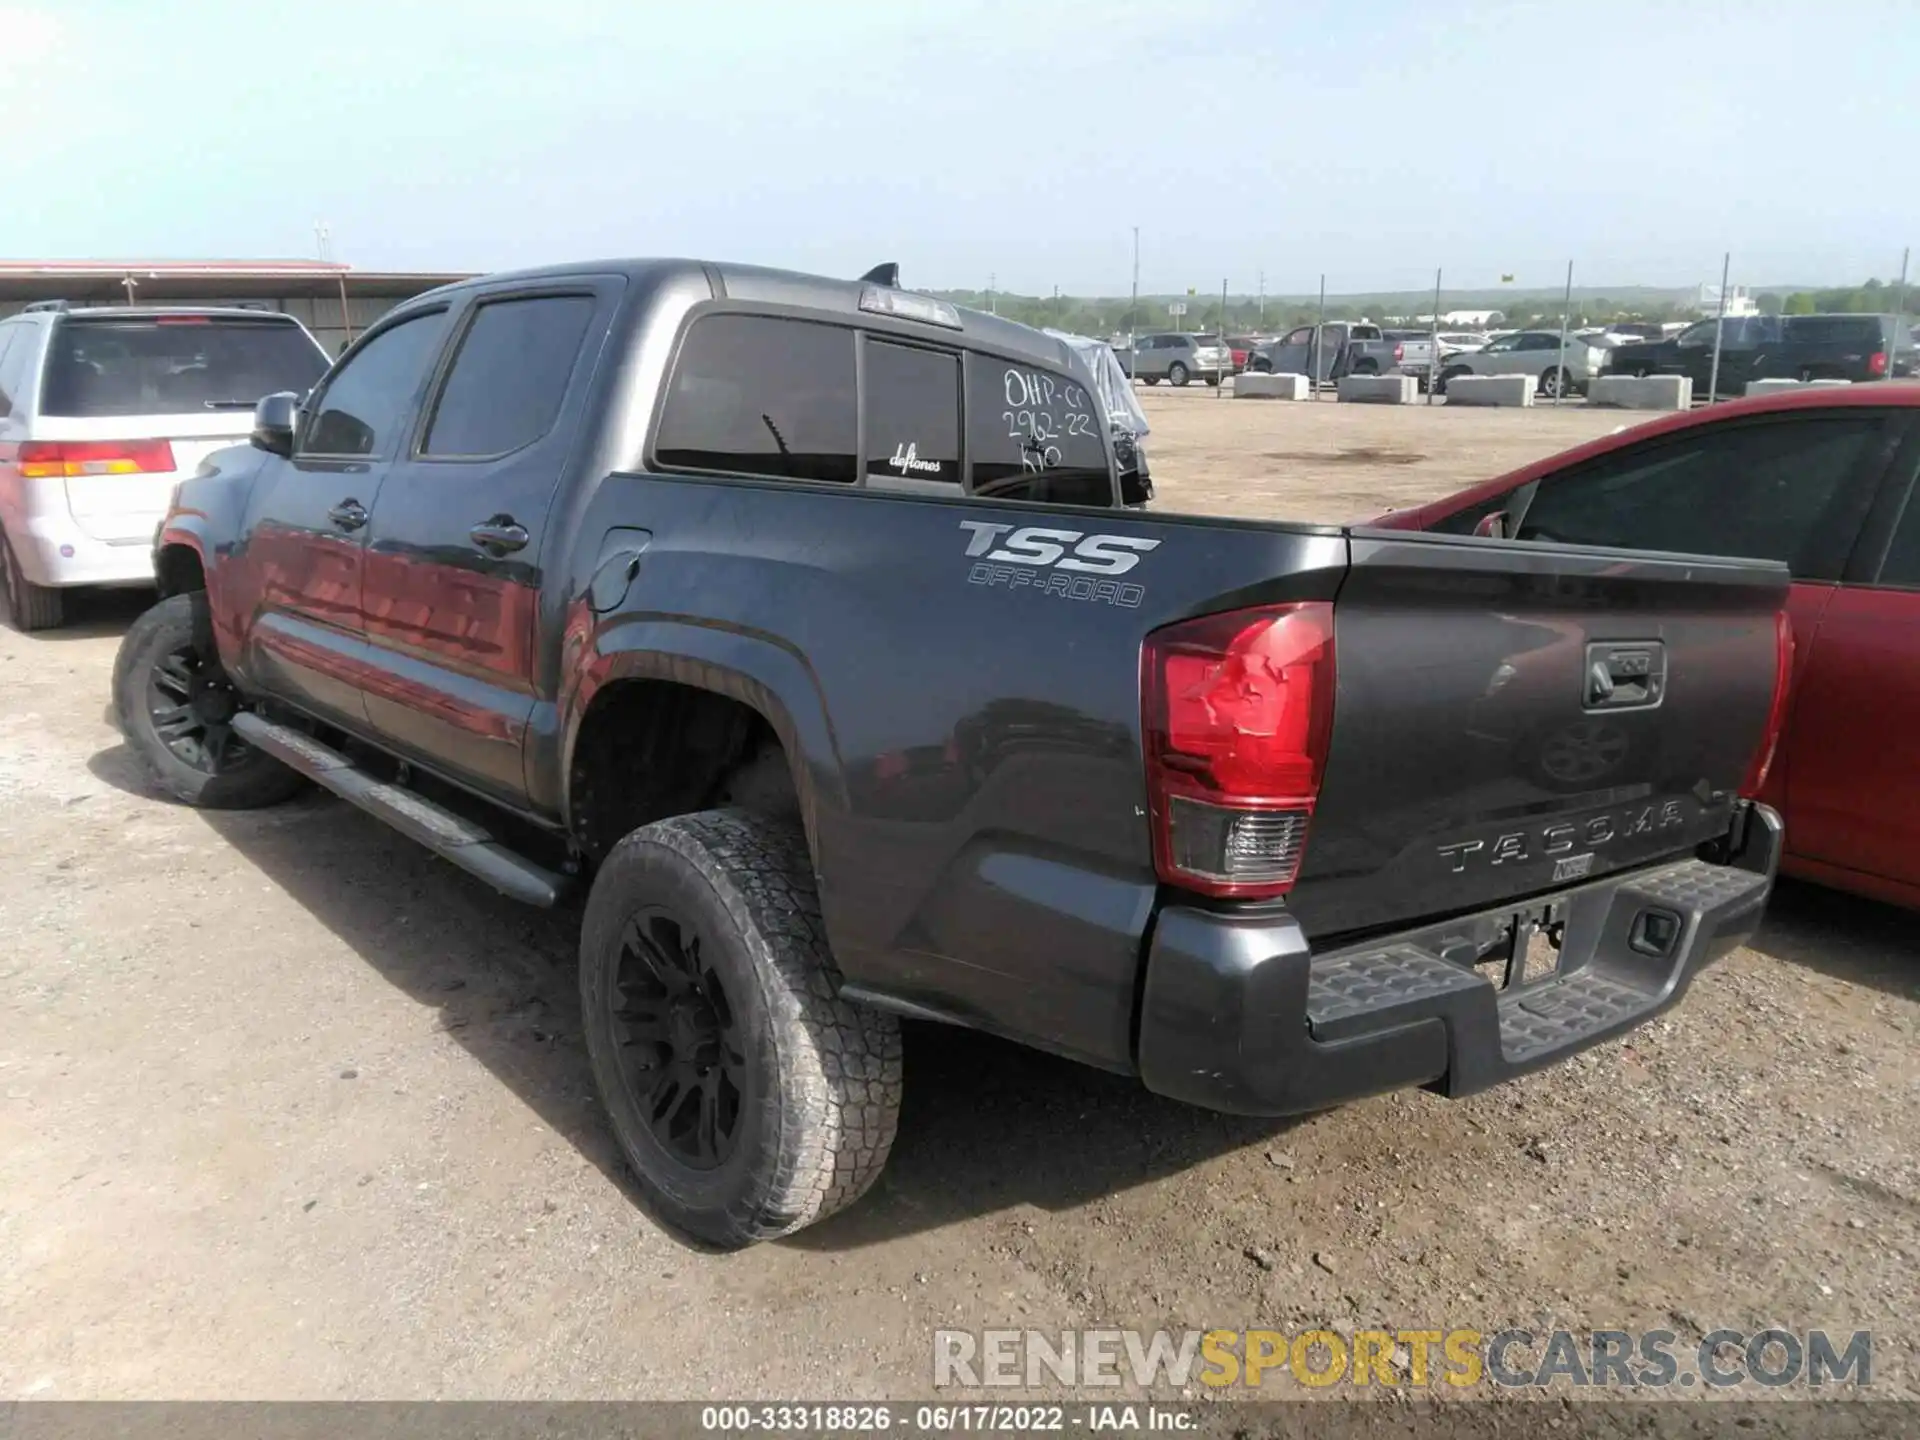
x=1240 y=1015
x=55 y=551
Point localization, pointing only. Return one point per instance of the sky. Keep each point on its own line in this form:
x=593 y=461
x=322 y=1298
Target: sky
x=1012 y=142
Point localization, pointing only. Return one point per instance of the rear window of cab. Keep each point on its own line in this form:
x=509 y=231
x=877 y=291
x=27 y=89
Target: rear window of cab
x=779 y=398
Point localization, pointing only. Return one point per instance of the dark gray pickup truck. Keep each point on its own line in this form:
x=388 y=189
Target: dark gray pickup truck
x=798 y=624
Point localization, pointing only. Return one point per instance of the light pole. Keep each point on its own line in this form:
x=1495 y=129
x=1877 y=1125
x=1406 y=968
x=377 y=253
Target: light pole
x=1133 y=308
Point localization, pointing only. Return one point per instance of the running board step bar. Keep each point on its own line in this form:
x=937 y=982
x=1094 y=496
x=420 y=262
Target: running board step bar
x=453 y=837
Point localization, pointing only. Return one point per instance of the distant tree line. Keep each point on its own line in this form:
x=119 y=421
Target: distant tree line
x=1247 y=314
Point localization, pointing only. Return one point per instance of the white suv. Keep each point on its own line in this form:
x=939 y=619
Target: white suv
x=102 y=411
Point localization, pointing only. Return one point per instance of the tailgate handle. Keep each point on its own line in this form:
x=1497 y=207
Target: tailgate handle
x=1625 y=676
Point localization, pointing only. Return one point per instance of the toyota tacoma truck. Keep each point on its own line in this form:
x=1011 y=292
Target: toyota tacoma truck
x=797 y=626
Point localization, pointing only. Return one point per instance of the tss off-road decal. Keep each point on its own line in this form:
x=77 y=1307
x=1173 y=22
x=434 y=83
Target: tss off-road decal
x=1050 y=561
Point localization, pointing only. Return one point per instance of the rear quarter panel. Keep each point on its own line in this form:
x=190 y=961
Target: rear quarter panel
x=969 y=725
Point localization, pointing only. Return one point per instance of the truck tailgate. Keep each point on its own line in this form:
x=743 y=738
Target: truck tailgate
x=1510 y=718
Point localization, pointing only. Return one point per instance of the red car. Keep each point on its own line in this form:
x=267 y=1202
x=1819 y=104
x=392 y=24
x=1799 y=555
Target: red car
x=1823 y=480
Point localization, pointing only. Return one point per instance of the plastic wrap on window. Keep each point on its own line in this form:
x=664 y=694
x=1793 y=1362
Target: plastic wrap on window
x=1109 y=382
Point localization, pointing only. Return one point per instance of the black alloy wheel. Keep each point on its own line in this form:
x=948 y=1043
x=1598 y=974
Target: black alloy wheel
x=682 y=1055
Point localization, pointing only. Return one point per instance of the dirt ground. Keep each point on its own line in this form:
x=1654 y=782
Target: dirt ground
x=294 y=1109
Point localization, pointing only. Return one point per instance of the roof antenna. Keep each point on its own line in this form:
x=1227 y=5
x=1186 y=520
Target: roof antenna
x=887 y=275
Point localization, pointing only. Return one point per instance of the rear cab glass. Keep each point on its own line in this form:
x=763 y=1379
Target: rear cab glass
x=173 y=364
x=776 y=397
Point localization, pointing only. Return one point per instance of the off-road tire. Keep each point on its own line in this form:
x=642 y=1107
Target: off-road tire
x=30 y=607
x=820 y=1100
x=181 y=623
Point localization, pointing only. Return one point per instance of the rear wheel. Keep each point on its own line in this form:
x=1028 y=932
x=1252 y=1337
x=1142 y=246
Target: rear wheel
x=176 y=706
x=1556 y=382
x=1447 y=377
x=1151 y=379
x=749 y=1098
x=1366 y=367
x=1178 y=374
x=29 y=606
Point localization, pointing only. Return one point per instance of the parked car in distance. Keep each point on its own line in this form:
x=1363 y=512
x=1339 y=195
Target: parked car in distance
x=1453 y=342
x=1345 y=349
x=602 y=556
x=1243 y=347
x=1824 y=480
x=1859 y=348
x=1743 y=339
x=1177 y=358
x=1531 y=352
x=1637 y=329
x=103 y=410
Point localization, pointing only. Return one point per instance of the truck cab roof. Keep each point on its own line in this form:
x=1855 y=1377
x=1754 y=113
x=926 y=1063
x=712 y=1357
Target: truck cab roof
x=790 y=290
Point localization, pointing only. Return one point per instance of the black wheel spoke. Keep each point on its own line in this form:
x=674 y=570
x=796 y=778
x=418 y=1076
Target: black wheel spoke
x=681 y=1053
x=706 y=1135
x=218 y=738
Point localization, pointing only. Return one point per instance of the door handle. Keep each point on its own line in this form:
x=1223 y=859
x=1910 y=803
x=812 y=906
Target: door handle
x=348 y=515
x=502 y=535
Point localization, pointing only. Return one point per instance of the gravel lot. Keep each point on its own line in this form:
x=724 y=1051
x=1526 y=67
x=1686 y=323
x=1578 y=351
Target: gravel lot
x=293 y=1109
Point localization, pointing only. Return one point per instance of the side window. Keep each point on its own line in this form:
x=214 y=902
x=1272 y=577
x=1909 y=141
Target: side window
x=1302 y=336
x=365 y=404
x=1466 y=521
x=9 y=336
x=1366 y=332
x=1902 y=565
x=1538 y=341
x=1769 y=492
x=509 y=375
x=1033 y=434
x=913 y=413
x=1502 y=345
x=757 y=395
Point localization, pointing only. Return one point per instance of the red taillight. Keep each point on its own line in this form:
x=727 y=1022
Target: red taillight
x=1238 y=712
x=1877 y=363
x=1763 y=753
x=181 y=320
x=50 y=459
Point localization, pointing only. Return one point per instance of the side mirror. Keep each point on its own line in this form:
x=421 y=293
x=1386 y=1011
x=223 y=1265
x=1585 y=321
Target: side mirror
x=1493 y=526
x=273 y=421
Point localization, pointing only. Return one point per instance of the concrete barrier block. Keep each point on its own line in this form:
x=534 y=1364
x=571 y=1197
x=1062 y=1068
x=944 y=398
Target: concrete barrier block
x=1491 y=390
x=1380 y=389
x=1654 y=392
x=1774 y=387
x=1270 y=387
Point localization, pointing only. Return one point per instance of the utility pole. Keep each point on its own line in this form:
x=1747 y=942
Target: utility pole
x=1133 y=308
x=991 y=277
x=1319 y=331
x=1900 y=291
x=1263 y=300
x=1719 y=329
x=1560 y=366
x=1433 y=341
x=1226 y=367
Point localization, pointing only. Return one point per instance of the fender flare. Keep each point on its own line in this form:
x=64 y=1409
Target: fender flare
x=761 y=671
